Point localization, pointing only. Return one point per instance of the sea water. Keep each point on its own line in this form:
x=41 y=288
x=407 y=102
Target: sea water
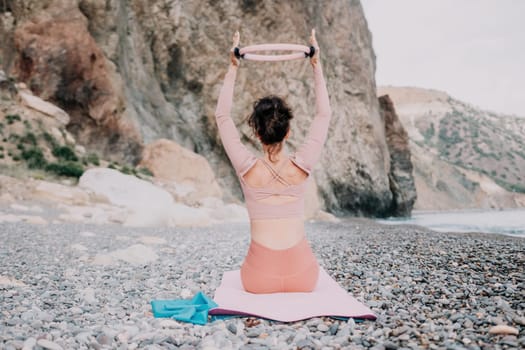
x=508 y=221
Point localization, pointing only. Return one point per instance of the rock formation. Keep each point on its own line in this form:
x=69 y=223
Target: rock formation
x=188 y=174
x=131 y=72
x=60 y=61
x=401 y=169
x=463 y=157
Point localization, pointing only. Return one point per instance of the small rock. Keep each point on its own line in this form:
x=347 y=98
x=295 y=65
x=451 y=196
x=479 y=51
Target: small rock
x=322 y=327
x=390 y=346
x=404 y=336
x=103 y=339
x=399 y=330
x=519 y=320
x=455 y=317
x=185 y=293
x=48 y=344
x=232 y=328
x=333 y=328
x=29 y=344
x=343 y=331
x=75 y=310
x=306 y=344
x=254 y=332
x=167 y=323
x=503 y=329
x=510 y=340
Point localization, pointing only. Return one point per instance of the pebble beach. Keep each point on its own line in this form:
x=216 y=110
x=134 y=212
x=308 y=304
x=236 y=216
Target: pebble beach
x=78 y=286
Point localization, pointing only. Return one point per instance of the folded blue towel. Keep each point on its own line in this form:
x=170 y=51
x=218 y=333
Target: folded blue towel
x=193 y=310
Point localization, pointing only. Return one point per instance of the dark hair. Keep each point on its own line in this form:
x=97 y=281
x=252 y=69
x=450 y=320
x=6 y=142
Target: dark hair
x=270 y=120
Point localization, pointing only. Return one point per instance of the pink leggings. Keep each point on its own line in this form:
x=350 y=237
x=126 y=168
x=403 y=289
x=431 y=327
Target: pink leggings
x=267 y=270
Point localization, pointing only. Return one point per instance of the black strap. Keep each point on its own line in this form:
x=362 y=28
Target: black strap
x=237 y=53
x=311 y=53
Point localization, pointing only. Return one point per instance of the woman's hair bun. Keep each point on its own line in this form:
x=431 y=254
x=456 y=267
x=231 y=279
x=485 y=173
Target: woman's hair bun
x=270 y=119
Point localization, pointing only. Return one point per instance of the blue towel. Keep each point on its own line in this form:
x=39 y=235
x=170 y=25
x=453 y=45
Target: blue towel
x=193 y=310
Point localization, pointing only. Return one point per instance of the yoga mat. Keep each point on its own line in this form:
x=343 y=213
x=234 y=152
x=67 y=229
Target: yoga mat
x=327 y=299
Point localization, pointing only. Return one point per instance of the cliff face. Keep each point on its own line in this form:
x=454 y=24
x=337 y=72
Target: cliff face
x=463 y=157
x=401 y=169
x=130 y=72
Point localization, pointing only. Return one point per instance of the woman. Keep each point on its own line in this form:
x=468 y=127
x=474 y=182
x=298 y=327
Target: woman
x=279 y=258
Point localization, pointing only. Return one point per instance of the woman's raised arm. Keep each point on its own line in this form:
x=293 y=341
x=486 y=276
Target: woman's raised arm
x=242 y=159
x=309 y=152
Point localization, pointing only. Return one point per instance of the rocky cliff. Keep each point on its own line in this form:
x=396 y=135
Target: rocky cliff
x=464 y=157
x=400 y=175
x=130 y=72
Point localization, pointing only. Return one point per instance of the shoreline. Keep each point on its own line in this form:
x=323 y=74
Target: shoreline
x=78 y=285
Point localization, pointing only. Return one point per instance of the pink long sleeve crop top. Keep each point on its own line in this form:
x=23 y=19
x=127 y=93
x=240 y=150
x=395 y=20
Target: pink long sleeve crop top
x=243 y=160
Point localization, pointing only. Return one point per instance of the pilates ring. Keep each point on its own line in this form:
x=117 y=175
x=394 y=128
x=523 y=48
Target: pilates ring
x=247 y=52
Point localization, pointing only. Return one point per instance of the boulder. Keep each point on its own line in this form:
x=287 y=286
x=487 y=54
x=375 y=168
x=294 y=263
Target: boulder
x=44 y=107
x=400 y=175
x=169 y=162
x=57 y=193
x=147 y=204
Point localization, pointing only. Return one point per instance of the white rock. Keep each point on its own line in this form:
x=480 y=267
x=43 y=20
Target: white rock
x=69 y=138
x=87 y=234
x=19 y=207
x=6 y=198
x=185 y=293
x=81 y=150
x=36 y=209
x=10 y=218
x=35 y=220
x=9 y=281
x=29 y=344
x=503 y=329
x=169 y=324
x=135 y=254
x=148 y=205
x=182 y=215
x=78 y=246
x=88 y=295
x=122 y=238
x=60 y=193
x=42 y=106
x=75 y=310
x=152 y=240
x=48 y=344
x=102 y=259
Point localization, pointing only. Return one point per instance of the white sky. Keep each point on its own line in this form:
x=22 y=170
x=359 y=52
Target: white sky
x=472 y=49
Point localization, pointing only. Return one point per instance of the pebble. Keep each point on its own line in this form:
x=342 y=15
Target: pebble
x=29 y=344
x=322 y=327
x=232 y=328
x=510 y=340
x=503 y=329
x=48 y=344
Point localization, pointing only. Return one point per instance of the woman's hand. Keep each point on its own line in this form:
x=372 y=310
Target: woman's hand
x=313 y=41
x=234 y=60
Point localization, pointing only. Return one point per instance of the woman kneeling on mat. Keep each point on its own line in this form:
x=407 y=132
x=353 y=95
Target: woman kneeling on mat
x=279 y=258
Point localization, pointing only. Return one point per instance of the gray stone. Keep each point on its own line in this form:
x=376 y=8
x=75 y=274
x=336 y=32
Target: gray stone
x=322 y=327
x=48 y=344
x=232 y=327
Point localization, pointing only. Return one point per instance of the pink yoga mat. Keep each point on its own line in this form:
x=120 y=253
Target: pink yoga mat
x=327 y=299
